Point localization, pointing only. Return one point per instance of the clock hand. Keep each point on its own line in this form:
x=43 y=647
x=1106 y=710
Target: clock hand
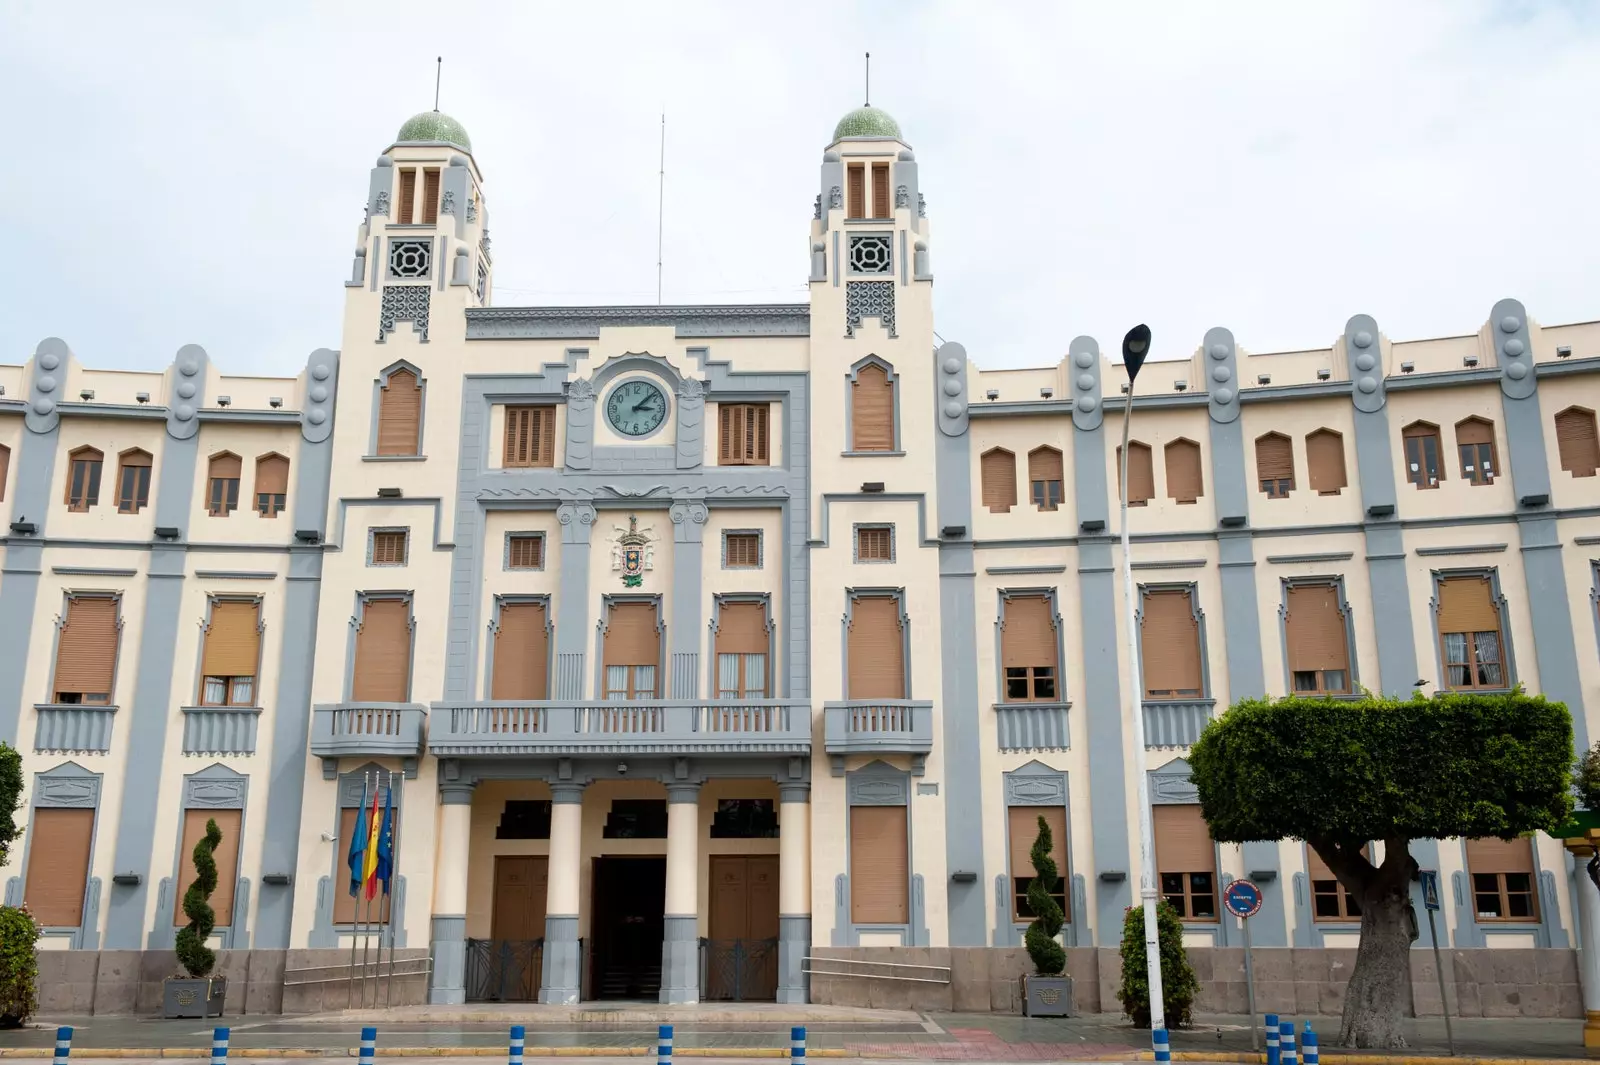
x=639 y=406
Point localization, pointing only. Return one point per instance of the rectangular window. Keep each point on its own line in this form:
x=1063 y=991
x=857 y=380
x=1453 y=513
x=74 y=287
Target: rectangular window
x=382 y=671
x=521 y=653
x=430 y=196
x=876 y=649
x=1469 y=633
x=389 y=547
x=346 y=908
x=408 y=197
x=744 y=819
x=1024 y=829
x=872 y=410
x=742 y=644
x=530 y=436
x=1044 y=475
x=742 y=434
x=1318 y=642
x=880 y=882
x=83 y=480
x=226 y=857
x=1329 y=899
x=58 y=866
x=741 y=550
x=525 y=551
x=1422 y=455
x=632 y=652
x=272 y=485
x=1170 y=646
x=86 y=651
x=856 y=186
x=1503 y=879
x=1028 y=650
x=133 y=482
x=232 y=651
x=1186 y=861
x=880 y=191
x=875 y=543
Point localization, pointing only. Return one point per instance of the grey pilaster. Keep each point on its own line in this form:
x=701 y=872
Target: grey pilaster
x=958 y=638
x=831 y=196
x=688 y=566
x=379 y=186
x=580 y=424
x=680 y=943
x=577 y=525
x=1229 y=486
x=1530 y=469
x=561 y=980
x=447 y=937
x=456 y=190
x=794 y=929
x=690 y=449
x=907 y=193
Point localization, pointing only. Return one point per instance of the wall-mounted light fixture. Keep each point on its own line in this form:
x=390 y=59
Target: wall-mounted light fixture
x=1264 y=379
x=1469 y=360
x=1181 y=386
x=275 y=402
x=1324 y=373
x=223 y=401
x=993 y=393
x=1564 y=351
x=1407 y=367
x=142 y=397
x=1046 y=393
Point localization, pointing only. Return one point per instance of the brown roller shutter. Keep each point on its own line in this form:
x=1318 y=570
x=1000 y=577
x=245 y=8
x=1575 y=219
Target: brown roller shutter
x=1465 y=605
x=530 y=436
x=1577 y=441
x=86 y=654
x=383 y=653
x=1170 y=645
x=521 y=653
x=227 y=858
x=399 y=414
x=879 y=868
x=857 y=205
x=1029 y=637
x=346 y=907
x=1474 y=431
x=232 y=640
x=872 y=410
x=1274 y=458
x=880 y=191
x=1024 y=821
x=1044 y=464
x=1500 y=855
x=876 y=649
x=631 y=636
x=408 y=197
x=742 y=629
x=5 y=470
x=1315 y=630
x=1184 y=482
x=1183 y=841
x=272 y=475
x=1141 y=473
x=999 y=477
x=58 y=866
x=226 y=466
x=430 y=196
x=1325 y=461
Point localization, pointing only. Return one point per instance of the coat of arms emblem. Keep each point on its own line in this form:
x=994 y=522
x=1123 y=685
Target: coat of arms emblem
x=633 y=554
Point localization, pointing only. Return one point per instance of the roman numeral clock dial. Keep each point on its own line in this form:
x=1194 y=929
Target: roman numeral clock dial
x=636 y=408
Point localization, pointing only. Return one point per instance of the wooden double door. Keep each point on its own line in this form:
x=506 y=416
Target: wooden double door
x=513 y=956
x=741 y=961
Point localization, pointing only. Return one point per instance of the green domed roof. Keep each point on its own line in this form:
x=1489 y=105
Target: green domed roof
x=434 y=126
x=866 y=122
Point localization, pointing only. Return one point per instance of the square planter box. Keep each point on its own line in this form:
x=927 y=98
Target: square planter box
x=1047 y=996
x=182 y=997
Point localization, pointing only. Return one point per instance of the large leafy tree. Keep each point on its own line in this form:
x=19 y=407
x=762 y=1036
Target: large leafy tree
x=1341 y=774
x=10 y=798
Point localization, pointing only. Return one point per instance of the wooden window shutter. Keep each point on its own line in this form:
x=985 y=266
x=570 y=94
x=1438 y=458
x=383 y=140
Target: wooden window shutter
x=742 y=629
x=631 y=636
x=383 y=653
x=430 y=196
x=400 y=414
x=857 y=187
x=1141 y=473
x=742 y=550
x=530 y=436
x=872 y=410
x=1184 y=482
x=1474 y=431
x=999 y=477
x=233 y=644
x=526 y=552
x=226 y=466
x=272 y=475
x=389 y=547
x=1170 y=644
x=521 y=653
x=1275 y=458
x=86 y=656
x=876 y=649
x=1466 y=604
x=408 y=197
x=742 y=434
x=1024 y=825
x=1183 y=840
x=1578 y=442
x=875 y=543
x=227 y=858
x=880 y=880
x=344 y=905
x=1500 y=855
x=1325 y=461
x=58 y=866
x=880 y=191
x=1044 y=464
x=1314 y=628
x=1029 y=636
x=5 y=470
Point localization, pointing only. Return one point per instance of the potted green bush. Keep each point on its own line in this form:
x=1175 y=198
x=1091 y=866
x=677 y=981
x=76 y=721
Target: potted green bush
x=199 y=994
x=1047 y=991
x=1178 y=983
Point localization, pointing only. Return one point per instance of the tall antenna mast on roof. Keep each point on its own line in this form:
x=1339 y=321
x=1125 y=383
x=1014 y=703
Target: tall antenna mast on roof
x=661 y=203
x=868 y=101
x=438 y=73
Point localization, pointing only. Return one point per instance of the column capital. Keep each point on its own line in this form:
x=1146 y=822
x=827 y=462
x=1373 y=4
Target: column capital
x=456 y=793
x=566 y=792
x=794 y=791
x=683 y=793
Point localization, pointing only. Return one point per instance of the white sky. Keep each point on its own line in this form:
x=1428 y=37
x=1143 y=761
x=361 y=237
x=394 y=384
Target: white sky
x=196 y=173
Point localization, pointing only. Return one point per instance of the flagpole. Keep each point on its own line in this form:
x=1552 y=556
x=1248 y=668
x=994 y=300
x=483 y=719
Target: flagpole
x=366 y=897
x=355 y=906
x=388 y=892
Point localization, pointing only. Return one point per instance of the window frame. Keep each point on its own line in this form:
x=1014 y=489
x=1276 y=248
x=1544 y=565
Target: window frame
x=1276 y=487
x=1009 y=490
x=544 y=413
x=509 y=550
x=1486 y=464
x=637 y=695
x=749 y=435
x=720 y=600
x=68 y=597
x=760 y=562
x=229 y=501
x=364 y=599
x=1571 y=464
x=1345 y=902
x=893 y=380
x=1150 y=459
x=1502 y=891
x=1035 y=483
x=403 y=531
x=230 y=681
x=380 y=388
x=1352 y=674
x=92 y=476
x=1422 y=431
x=141 y=496
x=857 y=528
x=1178 y=445
x=1032 y=679
x=1195 y=610
x=1311 y=470
x=279 y=502
x=1497 y=601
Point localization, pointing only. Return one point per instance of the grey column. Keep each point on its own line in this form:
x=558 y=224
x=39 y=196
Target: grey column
x=572 y=625
x=447 y=939
x=688 y=621
x=794 y=929
x=561 y=979
x=680 y=943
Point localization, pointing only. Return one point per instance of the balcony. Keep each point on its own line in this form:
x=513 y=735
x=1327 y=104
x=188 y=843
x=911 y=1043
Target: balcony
x=215 y=730
x=1176 y=722
x=73 y=728
x=661 y=726
x=878 y=726
x=1032 y=726
x=355 y=730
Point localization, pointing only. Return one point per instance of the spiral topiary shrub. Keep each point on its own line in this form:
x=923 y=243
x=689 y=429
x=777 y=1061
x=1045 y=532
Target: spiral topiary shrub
x=196 y=958
x=19 y=966
x=1178 y=983
x=1049 y=959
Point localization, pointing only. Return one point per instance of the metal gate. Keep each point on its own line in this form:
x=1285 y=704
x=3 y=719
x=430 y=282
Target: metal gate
x=503 y=970
x=739 y=970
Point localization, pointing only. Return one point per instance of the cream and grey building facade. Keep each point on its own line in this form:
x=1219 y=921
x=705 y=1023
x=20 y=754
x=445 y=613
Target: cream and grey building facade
x=694 y=638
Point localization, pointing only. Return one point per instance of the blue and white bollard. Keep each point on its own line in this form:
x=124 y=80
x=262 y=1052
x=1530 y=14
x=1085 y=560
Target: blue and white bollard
x=1272 y=1039
x=1308 y=1046
x=518 y=1036
x=1159 y=1043
x=797 y=1045
x=63 y=1045
x=219 y=1046
x=369 y=1045
x=664 y=1045
x=1286 y=1043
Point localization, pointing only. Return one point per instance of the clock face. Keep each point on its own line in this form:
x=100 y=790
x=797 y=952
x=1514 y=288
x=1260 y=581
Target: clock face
x=636 y=408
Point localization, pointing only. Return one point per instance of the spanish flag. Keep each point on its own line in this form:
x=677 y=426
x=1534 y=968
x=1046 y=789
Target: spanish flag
x=369 y=865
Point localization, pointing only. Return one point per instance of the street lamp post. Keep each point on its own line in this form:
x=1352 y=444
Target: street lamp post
x=1135 y=346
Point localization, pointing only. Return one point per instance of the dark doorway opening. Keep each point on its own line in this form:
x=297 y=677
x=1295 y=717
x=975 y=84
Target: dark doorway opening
x=630 y=901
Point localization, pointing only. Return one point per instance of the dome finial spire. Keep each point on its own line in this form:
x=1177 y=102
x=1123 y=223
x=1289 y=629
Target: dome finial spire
x=868 y=101
x=438 y=74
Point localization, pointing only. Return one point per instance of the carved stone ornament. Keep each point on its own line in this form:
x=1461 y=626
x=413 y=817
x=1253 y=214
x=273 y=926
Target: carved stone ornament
x=472 y=208
x=633 y=553
x=691 y=388
x=902 y=196
x=582 y=388
x=448 y=204
x=835 y=197
x=868 y=299
x=381 y=204
x=404 y=303
x=922 y=206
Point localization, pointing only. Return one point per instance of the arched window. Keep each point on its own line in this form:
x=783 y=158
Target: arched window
x=83 y=478
x=1325 y=461
x=400 y=414
x=1275 y=465
x=133 y=481
x=1141 y=474
x=1422 y=454
x=222 y=492
x=1044 y=477
x=1577 y=441
x=1475 y=443
x=272 y=484
x=872 y=409
x=998 y=473
x=1184 y=481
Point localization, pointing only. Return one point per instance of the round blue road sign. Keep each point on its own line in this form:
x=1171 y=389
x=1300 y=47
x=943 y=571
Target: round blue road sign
x=1242 y=898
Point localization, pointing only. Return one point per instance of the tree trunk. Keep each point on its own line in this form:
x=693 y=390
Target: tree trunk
x=1379 y=989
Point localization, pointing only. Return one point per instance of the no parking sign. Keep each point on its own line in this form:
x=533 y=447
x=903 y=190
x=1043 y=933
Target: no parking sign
x=1242 y=898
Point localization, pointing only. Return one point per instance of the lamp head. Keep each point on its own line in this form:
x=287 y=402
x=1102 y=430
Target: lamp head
x=1135 y=346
